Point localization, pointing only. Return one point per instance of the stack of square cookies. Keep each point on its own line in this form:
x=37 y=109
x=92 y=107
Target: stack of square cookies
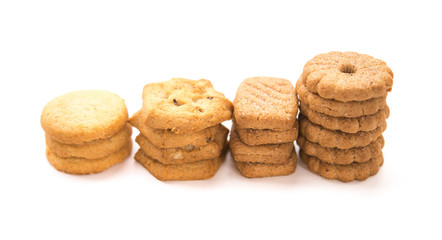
x=181 y=136
x=86 y=131
x=264 y=127
x=343 y=114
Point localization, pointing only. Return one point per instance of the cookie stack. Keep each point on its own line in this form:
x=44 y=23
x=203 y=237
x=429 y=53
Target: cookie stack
x=181 y=136
x=343 y=114
x=86 y=131
x=264 y=127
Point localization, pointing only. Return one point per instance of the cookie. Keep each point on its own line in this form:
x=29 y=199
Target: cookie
x=91 y=150
x=347 y=76
x=342 y=156
x=348 y=125
x=259 y=170
x=79 y=166
x=344 y=173
x=265 y=103
x=252 y=136
x=336 y=108
x=83 y=116
x=187 y=154
x=183 y=106
x=337 y=139
x=268 y=153
x=163 y=138
x=179 y=172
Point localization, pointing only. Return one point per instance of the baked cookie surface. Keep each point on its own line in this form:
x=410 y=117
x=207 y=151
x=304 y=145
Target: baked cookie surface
x=84 y=116
x=252 y=136
x=347 y=76
x=182 y=105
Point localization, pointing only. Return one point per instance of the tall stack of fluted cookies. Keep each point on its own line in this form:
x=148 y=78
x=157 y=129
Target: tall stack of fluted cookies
x=343 y=114
x=86 y=131
x=181 y=135
x=264 y=127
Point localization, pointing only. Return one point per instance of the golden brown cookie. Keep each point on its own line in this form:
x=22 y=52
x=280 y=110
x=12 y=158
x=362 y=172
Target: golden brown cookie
x=91 y=150
x=179 y=172
x=76 y=165
x=266 y=103
x=84 y=116
x=266 y=136
x=259 y=170
x=347 y=76
x=182 y=105
x=337 y=139
x=163 y=138
x=268 y=153
x=336 y=108
x=342 y=156
x=187 y=154
x=348 y=125
x=344 y=173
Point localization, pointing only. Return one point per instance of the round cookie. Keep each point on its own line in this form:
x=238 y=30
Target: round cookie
x=344 y=173
x=337 y=139
x=84 y=116
x=91 y=150
x=79 y=166
x=336 y=108
x=347 y=76
x=348 y=125
x=342 y=156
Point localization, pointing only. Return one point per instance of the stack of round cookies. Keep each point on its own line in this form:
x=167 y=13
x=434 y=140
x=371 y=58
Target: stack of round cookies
x=86 y=131
x=264 y=127
x=343 y=114
x=181 y=136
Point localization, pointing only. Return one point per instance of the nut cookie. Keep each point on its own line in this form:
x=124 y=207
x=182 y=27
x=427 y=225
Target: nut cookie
x=91 y=150
x=344 y=173
x=337 y=139
x=266 y=136
x=84 y=116
x=342 y=156
x=348 y=125
x=182 y=105
x=163 y=138
x=79 y=166
x=336 y=108
x=187 y=154
x=268 y=153
x=347 y=76
x=265 y=103
x=178 y=172
x=259 y=170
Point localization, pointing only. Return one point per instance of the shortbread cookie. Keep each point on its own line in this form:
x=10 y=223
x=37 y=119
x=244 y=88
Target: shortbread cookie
x=342 y=156
x=336 y=108
x=91 y=150
x=268 y=153
x=266 y=136
x=84 y=116
x=179 y=172
x=344 y=173
x=183 y=105
x=266 y=103
x=337 y=139
x=163 y=138
x=348 y=125
x=187 y=154
x=76 y=165
x=347 y=76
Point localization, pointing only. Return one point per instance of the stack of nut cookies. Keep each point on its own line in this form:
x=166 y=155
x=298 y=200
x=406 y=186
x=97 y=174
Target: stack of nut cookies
x=86 y=131
x=181 y=135
x=343 y=114
x=264 y=127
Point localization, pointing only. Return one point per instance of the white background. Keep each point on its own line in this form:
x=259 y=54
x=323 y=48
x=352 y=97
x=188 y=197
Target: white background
x=48 y=48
